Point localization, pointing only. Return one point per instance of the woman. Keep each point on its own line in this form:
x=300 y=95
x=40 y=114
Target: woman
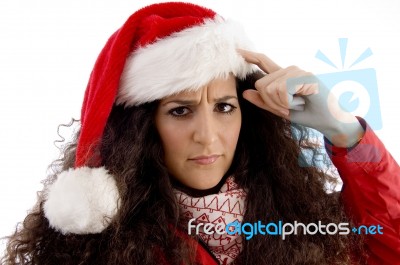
x=178 y=127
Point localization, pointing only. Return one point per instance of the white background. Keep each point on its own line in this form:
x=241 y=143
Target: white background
x=48 y=48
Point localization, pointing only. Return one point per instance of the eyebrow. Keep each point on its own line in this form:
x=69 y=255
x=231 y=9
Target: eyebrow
x=192 y=102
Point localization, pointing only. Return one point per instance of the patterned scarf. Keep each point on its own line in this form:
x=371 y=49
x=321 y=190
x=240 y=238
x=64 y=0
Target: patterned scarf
x=224 y=207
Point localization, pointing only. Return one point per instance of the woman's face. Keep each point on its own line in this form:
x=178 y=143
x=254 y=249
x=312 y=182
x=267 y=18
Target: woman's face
x=199 y=132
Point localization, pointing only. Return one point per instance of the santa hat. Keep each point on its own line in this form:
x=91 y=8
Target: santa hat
x=161 y=50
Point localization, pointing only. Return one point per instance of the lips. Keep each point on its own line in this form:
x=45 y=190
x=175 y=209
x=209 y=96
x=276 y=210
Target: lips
x=205 y=160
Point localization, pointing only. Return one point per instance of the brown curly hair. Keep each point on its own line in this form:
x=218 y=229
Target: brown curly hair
x=269 y=163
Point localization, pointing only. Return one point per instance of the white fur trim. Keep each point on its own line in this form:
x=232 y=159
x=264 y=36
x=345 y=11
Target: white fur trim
x=82 y=201
x=186 y=60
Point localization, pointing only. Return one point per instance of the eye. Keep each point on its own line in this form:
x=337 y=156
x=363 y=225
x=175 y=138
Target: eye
x=225 y=108
x=179 y=111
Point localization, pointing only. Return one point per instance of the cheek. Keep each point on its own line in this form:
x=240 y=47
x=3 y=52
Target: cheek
x=174 y=136
x=174 y=141
x=175 y=146
x=231 y=133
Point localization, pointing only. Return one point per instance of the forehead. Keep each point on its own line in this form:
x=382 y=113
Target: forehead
x=217 y=88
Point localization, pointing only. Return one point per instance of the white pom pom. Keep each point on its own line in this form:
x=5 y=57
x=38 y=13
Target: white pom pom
x=82 y=201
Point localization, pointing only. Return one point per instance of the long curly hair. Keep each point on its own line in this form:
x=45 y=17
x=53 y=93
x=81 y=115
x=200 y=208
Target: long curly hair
x=270 y=163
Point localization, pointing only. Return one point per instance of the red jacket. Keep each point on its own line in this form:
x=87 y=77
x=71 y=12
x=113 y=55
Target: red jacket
x=371 y=192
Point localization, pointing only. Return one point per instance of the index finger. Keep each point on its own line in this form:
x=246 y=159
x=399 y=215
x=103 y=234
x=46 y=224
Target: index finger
x=261 y=60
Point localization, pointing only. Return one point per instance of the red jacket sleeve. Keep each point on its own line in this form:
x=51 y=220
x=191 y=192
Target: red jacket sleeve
x=371 y=193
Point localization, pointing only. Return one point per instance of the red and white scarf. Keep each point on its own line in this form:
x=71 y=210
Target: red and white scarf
x=227 y=206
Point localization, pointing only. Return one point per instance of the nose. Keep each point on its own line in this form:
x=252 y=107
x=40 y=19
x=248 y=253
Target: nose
x=205 y=129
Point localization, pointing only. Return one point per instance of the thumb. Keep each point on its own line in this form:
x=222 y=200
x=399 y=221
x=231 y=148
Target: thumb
x=254 y=97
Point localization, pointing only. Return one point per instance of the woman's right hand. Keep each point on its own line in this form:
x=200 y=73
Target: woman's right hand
x=302 y=98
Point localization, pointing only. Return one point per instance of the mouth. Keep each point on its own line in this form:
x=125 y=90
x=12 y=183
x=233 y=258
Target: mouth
x=205 y=160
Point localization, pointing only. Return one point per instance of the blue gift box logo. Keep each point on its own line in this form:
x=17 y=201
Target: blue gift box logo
x=357 y=93
x=356 y=90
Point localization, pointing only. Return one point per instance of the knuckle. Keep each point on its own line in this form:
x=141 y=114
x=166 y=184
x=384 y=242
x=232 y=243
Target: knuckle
x=259 y=57
x=308 y=73
x=258 y=83
x=262 y=56
x=271 y=88
x=293 y=68
x=282 y=86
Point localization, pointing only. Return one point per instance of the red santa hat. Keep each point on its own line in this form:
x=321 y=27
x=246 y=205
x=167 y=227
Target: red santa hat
x=161 y=50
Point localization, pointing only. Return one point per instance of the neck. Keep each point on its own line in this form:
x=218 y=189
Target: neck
x=198 y=193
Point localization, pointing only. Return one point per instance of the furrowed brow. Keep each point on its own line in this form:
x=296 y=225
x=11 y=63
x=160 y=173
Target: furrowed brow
x=225 y=98
x=181 y=102
x=193 y=102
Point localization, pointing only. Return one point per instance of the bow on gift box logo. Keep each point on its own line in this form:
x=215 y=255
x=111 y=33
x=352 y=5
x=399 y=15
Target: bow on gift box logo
x=356 y=90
